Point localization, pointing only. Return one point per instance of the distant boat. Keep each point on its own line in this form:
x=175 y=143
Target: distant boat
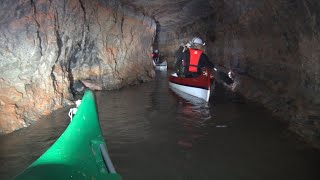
x=163 y=66
x=79 y=153
x=199 y=87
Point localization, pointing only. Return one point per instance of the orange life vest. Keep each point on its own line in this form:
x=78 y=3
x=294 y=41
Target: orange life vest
x=194 y=59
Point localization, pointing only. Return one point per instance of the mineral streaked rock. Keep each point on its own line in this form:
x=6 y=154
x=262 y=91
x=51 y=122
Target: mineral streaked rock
x=46 y=46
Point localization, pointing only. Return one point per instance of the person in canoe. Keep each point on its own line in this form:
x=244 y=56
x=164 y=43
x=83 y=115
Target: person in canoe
x=156 y=56
x=193 y=60
x=179 y=53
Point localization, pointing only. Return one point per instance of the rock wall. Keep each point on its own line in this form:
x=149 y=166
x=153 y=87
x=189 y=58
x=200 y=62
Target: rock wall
x=272 y=49
x=47 y=47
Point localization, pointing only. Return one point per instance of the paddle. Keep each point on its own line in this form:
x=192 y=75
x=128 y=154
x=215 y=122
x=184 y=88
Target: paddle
x=223 y=76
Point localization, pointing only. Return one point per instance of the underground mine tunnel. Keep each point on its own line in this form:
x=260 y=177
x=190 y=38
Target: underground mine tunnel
x=48 y=49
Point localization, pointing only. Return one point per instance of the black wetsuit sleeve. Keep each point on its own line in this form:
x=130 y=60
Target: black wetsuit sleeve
x=179 y=60
x=204 y=61
x=179 y=53
x=178 y=64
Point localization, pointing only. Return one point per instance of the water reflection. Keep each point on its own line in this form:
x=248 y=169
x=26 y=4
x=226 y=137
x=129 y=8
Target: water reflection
x=20 y=148
x=193 y=119
x=192 y=114
x=154 y=133
x=131 y=125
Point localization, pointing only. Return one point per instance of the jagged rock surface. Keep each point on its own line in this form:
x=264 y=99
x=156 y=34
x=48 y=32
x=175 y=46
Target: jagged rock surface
x=47 y=46
x=272 y=48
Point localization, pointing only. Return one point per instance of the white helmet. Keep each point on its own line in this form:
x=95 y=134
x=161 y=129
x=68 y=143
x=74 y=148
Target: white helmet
x=156 y=51
x=197 y=40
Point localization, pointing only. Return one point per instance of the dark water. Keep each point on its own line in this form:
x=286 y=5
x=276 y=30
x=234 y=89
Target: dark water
x=154 y=134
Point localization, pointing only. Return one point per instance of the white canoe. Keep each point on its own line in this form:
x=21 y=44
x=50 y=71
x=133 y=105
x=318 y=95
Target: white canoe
x=161 y=66
x=199 y=87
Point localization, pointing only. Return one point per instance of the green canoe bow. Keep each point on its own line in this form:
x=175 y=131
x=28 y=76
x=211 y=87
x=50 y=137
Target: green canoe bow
x=79 y=153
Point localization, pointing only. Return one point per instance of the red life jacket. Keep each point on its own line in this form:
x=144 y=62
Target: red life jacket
x=194 y=59
x=153 y=54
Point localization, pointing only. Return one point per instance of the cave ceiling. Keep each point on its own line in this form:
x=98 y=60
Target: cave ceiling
x=170 y=14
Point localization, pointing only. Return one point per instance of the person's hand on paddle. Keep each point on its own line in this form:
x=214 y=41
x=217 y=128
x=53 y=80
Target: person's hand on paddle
x=213 y=72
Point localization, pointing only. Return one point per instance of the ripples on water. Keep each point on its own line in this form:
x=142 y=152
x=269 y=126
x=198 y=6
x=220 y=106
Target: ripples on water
x=153 y=133
x=20 y=148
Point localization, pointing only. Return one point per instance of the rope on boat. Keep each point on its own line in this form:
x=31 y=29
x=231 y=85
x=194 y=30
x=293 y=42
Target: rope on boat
x=73 y=111
x=107 y=159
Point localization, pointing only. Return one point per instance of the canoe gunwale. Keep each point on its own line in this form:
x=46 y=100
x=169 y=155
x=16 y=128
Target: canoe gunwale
x=199 y=87
x=79 y=153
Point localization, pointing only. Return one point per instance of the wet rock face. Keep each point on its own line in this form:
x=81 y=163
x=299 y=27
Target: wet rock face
x=47 y=46
x=272 y=49
x=172 y=15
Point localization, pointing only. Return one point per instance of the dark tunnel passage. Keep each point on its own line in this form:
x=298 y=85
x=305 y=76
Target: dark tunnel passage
x=271 y=49
x=50 y=51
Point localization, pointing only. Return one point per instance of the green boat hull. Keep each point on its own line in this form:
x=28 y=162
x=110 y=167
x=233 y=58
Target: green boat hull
x=79 y=153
